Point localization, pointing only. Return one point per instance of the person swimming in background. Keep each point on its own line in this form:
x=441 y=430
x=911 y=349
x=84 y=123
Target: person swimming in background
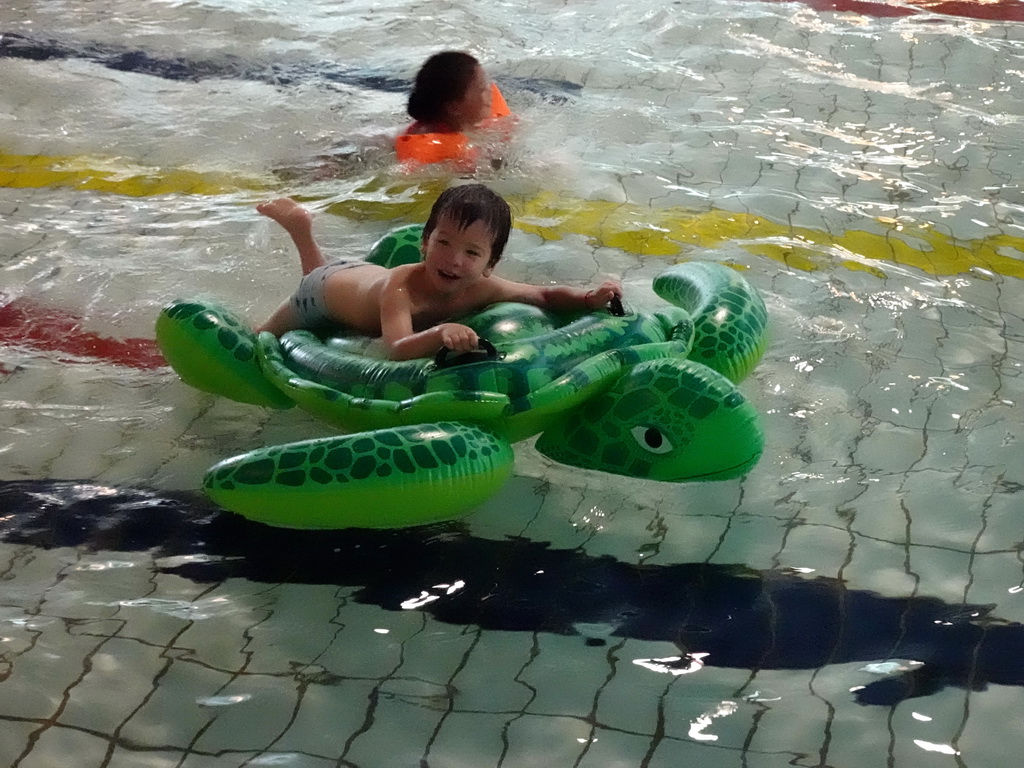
x=459 y=118
x=411 y=306
x=451 y=95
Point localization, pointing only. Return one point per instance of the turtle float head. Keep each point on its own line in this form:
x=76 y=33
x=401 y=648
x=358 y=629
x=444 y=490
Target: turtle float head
x=666 y=419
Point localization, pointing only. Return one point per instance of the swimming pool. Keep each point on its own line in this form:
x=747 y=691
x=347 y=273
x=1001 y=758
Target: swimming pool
x=856 y=599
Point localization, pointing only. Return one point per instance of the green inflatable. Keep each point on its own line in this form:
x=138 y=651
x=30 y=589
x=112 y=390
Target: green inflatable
x=649 y=395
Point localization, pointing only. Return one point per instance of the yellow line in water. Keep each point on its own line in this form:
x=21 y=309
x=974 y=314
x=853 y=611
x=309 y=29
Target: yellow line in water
x=116 y=176
x=671 y=232
x=674 y=232
x=642 y=230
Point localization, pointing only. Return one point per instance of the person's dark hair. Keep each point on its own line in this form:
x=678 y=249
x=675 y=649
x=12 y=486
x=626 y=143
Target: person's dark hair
x=443 y=78
x=469 y=203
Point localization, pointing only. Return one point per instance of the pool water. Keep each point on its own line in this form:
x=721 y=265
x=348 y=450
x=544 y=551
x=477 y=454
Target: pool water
x=856 y=599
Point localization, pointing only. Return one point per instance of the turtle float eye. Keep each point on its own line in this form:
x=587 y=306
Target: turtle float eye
x=651 y=439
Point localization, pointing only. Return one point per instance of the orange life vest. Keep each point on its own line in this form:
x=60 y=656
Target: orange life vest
x=440 y=147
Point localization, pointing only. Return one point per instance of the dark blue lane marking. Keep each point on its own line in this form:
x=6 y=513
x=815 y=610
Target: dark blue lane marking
x=740 y=617
x=14 y=45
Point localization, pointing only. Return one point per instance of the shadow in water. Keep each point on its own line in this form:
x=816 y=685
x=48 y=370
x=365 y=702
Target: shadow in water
x=282 y=73
x=739 y=617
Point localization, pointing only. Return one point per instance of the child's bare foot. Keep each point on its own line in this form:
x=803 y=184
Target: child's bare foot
x=289 y=214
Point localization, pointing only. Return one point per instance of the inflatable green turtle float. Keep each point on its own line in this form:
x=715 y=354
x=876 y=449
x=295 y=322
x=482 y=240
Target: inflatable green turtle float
x=649 y=395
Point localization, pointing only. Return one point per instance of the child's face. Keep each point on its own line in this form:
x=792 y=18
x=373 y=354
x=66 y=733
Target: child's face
x=475 y=104
x=457 y=258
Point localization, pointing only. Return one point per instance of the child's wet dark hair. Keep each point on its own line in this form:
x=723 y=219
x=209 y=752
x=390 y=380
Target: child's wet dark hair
x=469 y=203
x=443 y=78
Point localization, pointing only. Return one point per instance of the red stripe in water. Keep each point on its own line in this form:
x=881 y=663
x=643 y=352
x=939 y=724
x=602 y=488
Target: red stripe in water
x=996 y=10
x=27 y=324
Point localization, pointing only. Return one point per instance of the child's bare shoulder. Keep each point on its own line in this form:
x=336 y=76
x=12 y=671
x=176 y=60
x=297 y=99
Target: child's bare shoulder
x=397 y=278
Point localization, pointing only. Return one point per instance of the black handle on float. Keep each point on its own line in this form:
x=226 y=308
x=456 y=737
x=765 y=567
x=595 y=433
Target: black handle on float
x=485 y=351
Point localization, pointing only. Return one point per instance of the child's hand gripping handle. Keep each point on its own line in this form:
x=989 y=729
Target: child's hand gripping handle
x=485 y=351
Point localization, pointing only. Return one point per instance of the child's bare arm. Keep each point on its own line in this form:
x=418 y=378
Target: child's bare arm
x=558 y=297
x=397 y=332
x=454 y=336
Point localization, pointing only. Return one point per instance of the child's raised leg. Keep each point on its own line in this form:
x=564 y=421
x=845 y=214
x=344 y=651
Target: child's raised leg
x=283 y=320
x=298 y=223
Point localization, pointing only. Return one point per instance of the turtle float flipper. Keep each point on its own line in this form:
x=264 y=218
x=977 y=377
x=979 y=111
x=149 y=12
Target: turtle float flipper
x=386 y=478
x=213 y=350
